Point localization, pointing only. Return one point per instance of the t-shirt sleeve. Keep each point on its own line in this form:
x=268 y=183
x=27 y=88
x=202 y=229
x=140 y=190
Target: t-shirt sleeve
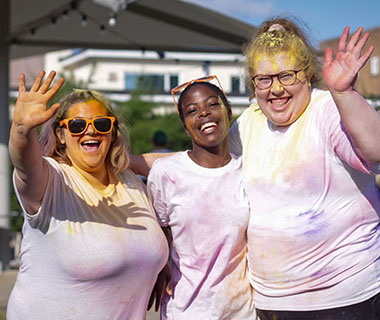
x=157 y=193
x=340 y=141
x=235 y=143
x=55 y=183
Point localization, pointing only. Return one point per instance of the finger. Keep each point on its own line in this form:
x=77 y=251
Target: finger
x=158 y=302
x=37 y=81
x=54 y=89
x=360 y=45
x=343 y=39
x=328 y=57
x=169 y=288
x=21 y=83
x=151 y=300
x=364 y=58
x=46 y=84
x=354 y=39
x=52 y=110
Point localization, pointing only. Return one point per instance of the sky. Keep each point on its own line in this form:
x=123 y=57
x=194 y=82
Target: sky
x=325 y=18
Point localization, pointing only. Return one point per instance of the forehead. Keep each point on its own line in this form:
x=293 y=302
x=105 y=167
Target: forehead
x=199 y=91
x=88 y=109
x=276 y=63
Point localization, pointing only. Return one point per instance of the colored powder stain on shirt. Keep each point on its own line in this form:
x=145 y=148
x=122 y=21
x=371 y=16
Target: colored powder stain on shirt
x=69 y=229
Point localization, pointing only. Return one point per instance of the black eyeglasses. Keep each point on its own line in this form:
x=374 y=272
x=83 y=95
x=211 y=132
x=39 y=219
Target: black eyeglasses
x=286 y=78
x=77 y=126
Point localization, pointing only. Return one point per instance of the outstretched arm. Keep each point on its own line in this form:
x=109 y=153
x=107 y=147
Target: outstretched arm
x=142 y=163
x=24 y=147
x=361 y=121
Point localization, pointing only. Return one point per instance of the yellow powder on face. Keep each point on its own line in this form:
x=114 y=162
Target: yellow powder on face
x=269 y=44
x=226 y=120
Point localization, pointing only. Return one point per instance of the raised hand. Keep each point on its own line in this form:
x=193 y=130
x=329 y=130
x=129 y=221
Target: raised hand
x=31 y=106
x=340 y=74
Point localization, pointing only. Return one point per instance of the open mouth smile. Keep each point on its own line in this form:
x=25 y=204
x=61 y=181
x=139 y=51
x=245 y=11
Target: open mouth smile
x=90 y=145
x=208 y=127
x=279 y=104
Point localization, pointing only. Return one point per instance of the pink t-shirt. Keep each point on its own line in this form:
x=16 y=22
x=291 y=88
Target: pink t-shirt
x=88 y=253
x=314 y=236
x=208 y=214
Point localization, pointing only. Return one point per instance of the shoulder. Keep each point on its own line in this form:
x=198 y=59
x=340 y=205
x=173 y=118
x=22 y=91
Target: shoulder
x=167 y=163
x=321 y=98
x=322 y=104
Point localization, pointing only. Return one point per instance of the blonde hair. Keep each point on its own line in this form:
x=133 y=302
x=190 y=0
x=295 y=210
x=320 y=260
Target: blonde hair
x=117 y=158
x=281 y=35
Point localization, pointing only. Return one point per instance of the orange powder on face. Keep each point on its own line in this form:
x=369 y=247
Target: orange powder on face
x=191 y=130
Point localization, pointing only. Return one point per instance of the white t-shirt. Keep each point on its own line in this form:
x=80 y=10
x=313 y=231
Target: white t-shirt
x=208 y=214
x=313 y=237
x=88 y=254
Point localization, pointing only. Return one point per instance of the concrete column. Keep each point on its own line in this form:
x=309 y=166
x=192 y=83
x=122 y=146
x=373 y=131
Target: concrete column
x=4 y=114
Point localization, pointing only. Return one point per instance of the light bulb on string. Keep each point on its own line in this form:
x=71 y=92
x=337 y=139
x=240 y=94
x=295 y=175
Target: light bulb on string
x=65 y=14
x=112 y=20
x=102 y=29
x=84 y=20
x=54 y=22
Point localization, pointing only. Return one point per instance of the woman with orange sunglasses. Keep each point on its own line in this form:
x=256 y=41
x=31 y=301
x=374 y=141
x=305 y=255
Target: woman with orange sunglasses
x=92 y=247
x=200 y=204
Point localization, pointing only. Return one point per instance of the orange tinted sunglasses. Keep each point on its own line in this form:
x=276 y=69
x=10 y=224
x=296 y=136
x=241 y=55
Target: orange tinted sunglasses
x=77 y=126
x=183 y=86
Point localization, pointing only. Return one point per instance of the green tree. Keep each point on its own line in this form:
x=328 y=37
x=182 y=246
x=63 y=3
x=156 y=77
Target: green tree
x=143 y=122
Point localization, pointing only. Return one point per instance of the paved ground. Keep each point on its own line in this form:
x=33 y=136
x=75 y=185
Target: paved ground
x=7 y=280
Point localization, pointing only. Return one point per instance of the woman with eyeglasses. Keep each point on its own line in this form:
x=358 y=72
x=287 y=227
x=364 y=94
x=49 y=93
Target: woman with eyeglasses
x=309 y=159
x=200 y=203
x=92 y=247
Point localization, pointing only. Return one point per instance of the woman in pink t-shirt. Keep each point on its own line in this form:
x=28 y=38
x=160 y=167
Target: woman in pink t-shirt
x=200 y=202
x=309 y=159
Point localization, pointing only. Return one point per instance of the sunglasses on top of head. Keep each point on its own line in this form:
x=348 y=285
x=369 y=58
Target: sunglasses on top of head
x=183 y=86
x=77 y=126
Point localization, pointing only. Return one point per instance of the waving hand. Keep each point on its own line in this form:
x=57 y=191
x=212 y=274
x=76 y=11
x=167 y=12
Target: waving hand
x=31 y=106
x=340 y=73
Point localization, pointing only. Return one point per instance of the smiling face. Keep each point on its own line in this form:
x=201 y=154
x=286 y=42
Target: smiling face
x=206 y=118
x=281 y=104
x=87 y=151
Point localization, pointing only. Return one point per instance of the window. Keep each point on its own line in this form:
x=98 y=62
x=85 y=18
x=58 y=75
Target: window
x=173 y=81
x=235 y=84
x=151 y=83
x=112 y=77
x=374 y=66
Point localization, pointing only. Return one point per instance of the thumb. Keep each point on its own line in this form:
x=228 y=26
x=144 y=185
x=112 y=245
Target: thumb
x=169 y=289
x=52 y=110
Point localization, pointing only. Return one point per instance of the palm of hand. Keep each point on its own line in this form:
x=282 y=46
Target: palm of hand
x=31 y=106
x=340 y=74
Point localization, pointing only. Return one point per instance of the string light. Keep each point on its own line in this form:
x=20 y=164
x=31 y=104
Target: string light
x=112 y=20
x=65 y=14
x=53 y=22
x=84 y=20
